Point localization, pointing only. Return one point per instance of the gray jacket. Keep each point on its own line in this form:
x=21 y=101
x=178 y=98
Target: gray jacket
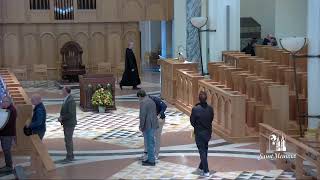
x=148 y=114
x=68 y=113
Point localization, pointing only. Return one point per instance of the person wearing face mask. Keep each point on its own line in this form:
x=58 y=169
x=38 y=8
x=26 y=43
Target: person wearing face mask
x=130 y=75
x=38 y=122
x=8 y=133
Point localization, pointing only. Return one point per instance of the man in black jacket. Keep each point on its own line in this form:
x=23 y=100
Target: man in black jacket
x=201 y=119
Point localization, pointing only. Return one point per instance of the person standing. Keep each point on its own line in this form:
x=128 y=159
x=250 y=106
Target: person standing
x=148 y=125
x=8 y=133
x=68 y=119
x=38 y=122
x=201 y=119
x=130 y=75
x=161 y=108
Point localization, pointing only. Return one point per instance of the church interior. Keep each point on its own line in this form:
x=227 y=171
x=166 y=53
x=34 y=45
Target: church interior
x=258 y=61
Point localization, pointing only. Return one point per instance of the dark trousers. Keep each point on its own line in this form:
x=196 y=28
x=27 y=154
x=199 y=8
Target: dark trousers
x=202 y=139
x=68 y=139
x=6 y=143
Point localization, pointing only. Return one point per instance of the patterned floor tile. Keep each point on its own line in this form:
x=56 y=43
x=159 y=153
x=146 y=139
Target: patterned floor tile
x=119 y=127
x=166 y=170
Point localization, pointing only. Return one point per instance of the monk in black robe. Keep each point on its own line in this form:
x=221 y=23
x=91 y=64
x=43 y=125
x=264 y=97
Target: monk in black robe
x=130 y=75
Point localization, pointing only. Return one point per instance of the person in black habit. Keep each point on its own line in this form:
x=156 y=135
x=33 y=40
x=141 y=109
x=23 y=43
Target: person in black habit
x=130 y=75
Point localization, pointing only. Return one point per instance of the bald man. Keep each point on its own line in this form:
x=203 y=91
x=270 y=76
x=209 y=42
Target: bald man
x=38 y=123
x=8 y=133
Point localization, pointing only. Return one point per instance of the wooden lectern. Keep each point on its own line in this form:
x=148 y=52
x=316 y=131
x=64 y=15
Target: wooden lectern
x=169 y=77
x=88 y=85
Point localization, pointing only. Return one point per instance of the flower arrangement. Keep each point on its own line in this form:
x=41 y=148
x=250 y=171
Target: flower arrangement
x=102 y=97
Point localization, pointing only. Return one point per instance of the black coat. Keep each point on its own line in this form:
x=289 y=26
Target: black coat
x=129 y=77
x=249 y=49
x=201 y=117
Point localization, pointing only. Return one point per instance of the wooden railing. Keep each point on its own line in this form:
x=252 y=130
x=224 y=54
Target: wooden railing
x=229 y=107
x=263 y=84
x=303 y=153
x=187 y=89
x=41 y=161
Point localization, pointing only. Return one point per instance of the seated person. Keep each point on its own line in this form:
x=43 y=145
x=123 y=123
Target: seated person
x=274 y=41
x=38 y=123
x=267 y=40
x=250 y=48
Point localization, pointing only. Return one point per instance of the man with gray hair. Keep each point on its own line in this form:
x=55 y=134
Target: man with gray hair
x=38 y=123
x=8 y=133
x=148 y=125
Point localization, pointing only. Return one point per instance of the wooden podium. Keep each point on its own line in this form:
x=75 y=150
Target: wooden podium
x=169 y=77
x=88 y=84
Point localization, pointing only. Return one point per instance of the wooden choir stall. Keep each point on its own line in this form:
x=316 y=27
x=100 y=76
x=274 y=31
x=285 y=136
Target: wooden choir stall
x=169 y=69
x=88 y=85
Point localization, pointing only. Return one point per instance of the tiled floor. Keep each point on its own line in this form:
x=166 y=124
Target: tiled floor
x=108 y=145
x=119 y=127
x=166 y=170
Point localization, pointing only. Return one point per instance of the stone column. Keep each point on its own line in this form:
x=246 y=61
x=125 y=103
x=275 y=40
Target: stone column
x=313 y=64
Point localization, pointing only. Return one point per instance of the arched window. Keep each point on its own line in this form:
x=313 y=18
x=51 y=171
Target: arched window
x=87 y=4
x=39 y=4
x=63 y=10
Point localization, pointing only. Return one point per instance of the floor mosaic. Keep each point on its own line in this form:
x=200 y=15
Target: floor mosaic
x=118 y=127
x=166 y=170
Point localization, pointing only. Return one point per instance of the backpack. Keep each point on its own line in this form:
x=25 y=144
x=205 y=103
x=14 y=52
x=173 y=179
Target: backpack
x=159 y=103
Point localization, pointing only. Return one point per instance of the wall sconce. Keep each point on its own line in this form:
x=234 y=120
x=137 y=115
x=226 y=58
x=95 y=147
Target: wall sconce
x=294 y=45
x=199 y=22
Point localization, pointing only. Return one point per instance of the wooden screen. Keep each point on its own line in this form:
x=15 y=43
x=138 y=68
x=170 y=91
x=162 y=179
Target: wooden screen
x=39 y=4
x=87 y=4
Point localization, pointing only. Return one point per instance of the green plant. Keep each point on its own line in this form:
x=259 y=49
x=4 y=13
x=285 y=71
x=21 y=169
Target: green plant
x=102 y=97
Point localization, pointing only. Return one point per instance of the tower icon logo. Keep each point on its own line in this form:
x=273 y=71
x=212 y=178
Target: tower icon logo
x=277 y=142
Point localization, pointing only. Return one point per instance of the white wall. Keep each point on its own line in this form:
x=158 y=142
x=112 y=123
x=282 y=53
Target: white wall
x=217 y=20
x=291 y=18
x=179 y=26
x=263 y=11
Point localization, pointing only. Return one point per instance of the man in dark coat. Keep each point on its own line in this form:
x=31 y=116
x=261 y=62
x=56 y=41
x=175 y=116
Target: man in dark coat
x=130 y=75
x=38 y=123
x=250 y=48
x=201 y=119
x=68 y=119
x=8 y=133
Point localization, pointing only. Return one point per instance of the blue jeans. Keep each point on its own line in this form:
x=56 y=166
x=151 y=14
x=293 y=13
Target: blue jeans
x=149 y=137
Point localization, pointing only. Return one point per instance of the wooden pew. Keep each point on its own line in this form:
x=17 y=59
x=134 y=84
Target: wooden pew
x=31 y=146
